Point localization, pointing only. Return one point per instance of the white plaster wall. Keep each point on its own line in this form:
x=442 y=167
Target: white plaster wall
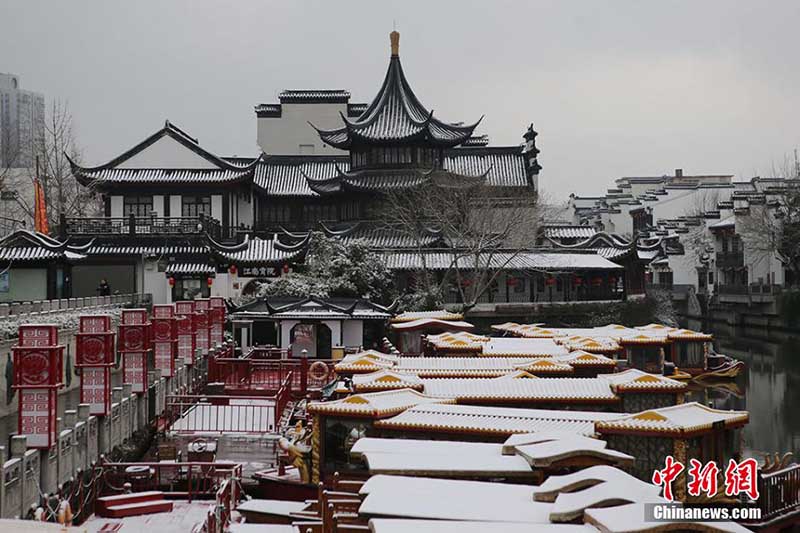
x=353 y=332
x=158 y=205
x=286 y=328
x=216 y=206
x=285 y=134
x=167 y=153
x=116 y=206
x=175 y=206
x=26 y=284
x=336 y=331
x=156 y=283
x=222 y=285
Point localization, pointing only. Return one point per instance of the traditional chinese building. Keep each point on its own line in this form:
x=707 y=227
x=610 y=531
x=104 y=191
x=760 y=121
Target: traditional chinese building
x=180 y=221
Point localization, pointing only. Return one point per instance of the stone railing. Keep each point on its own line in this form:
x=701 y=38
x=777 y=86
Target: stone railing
x=83 y=439
x=72 y=304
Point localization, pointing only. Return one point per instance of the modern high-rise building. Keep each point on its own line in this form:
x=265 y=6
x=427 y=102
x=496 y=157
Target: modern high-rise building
x=21 y=123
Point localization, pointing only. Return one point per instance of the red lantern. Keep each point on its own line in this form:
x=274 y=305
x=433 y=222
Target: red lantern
x=512 y=282
x=171 y=281
x=232 y=269
x=286 y=268
x=210 y=281
x=577 y=280
x=612 y=280
x=550 y=281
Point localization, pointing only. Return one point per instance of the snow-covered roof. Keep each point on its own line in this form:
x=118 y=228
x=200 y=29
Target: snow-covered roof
x=581 y=358
x=515 y=347
x=374 y=404
x=427 y=367
x=570 y=506
x=544 y=454
x=728 y=222
x=599 y=344
x=679 y=420
x=592 y=476
x=573 y=390
x=484 y=420
x=384 y=380
x=457 y=341
x=399 y=525
x=635 y=380
x=439 y=458
x=689 y=335
x=425 y=323
x=366 y=361
x=408 y=316
x=524 y=261
x=446 y=499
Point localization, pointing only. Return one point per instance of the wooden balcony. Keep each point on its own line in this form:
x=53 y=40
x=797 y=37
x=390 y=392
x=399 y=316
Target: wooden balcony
x=140 y=226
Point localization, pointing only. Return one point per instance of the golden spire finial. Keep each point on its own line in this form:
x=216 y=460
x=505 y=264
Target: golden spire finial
x=394 y=38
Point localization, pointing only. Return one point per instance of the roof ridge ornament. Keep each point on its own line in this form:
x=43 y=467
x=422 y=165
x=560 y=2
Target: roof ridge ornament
x=394 y=39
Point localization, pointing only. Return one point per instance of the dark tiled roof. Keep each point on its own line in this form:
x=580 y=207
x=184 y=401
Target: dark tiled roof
x=28 y=246
x=258 y=251
x=226 y=172
x=477 y=140
x=506 y=165
x=380 y=237
x=287 y=175
x=355 y=110
x=314 y=175
x=314 y=95
x=396 y=115
x=568 y=232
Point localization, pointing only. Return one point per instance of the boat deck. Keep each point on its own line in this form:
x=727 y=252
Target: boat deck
x=185 y=517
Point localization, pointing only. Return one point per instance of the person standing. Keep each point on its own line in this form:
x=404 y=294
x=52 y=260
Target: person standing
x=104 y=289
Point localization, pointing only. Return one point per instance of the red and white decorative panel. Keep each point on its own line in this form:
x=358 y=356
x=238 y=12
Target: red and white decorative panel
x=36 y=368
x=96 y=389
x=133 y=337
x=134 y=370
x=38 y=335
x=202 y=304
x=163 y=329
x=186 y=347
x=163 y=311
x=94 y=349
x=134 y=317
x=184 y=307
x=217 y=302
x=37 y=416
x=164 y=358
x=94 y=324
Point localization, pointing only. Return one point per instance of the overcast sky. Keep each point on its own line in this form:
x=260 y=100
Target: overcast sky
x=615 y=88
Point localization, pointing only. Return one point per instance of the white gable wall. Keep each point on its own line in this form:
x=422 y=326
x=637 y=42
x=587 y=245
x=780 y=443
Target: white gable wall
x=283 y=135
x=167 y=153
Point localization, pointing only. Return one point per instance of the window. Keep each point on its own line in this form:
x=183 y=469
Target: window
x=138 y=206
x=194 y=206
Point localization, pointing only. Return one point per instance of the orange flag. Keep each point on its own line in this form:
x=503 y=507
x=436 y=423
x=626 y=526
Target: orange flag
x=40 y=210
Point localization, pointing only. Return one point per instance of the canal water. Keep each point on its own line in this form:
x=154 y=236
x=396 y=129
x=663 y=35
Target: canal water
x=769 y=388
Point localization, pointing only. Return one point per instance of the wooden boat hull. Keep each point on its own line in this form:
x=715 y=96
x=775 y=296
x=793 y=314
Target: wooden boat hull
x=273 y=486
x=727 y=371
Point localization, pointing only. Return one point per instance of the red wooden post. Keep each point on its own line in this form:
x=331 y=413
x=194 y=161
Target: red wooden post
x=134 y=343
x=38 y=370
x=303 y=374
x=95 y=355
x=164 y=339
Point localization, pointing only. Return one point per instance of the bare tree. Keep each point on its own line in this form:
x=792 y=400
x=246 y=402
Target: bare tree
x=698 y=241
x=477 y=230
x=63 y=194
x=771 y=226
